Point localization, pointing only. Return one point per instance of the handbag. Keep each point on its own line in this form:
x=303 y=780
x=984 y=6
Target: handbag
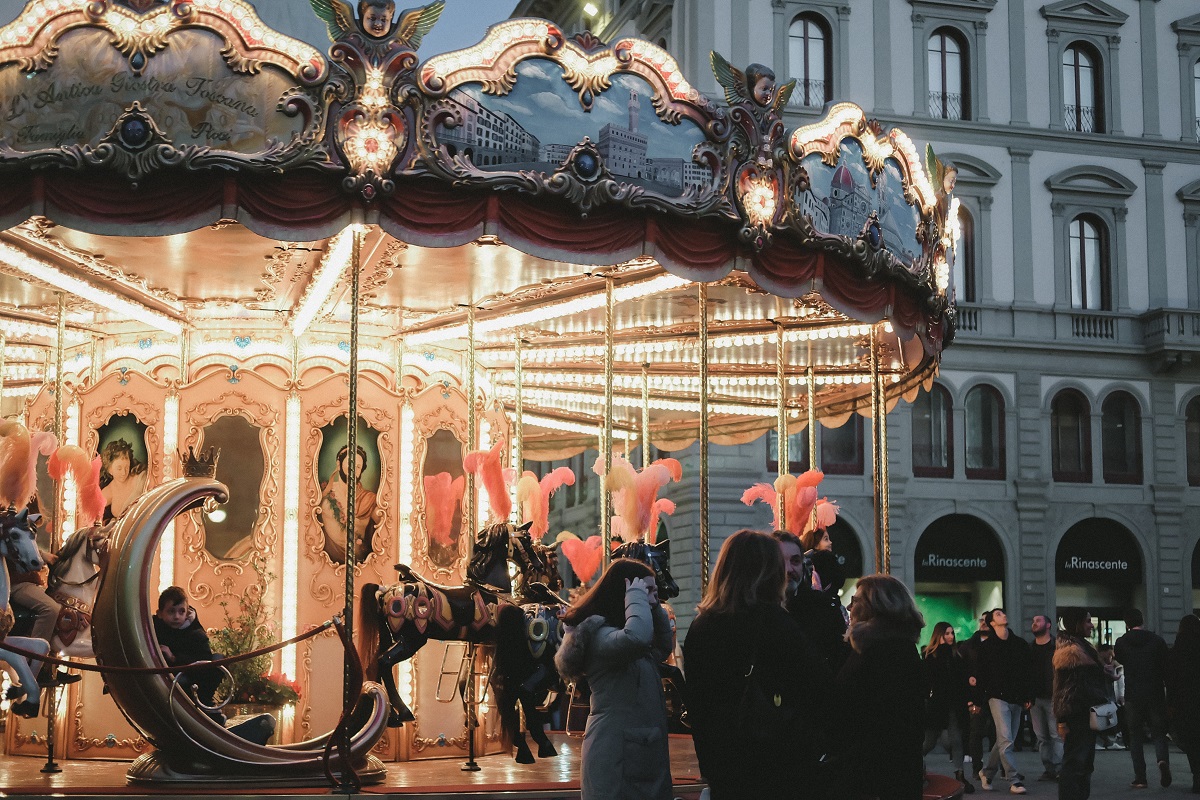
x=1103 y=717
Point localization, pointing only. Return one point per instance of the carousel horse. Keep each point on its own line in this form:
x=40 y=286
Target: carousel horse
x=398 y=620
x=18 y=544
x=529 y=632
x=74 y=582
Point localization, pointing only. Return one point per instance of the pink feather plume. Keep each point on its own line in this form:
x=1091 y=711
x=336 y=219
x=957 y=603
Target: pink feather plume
x=442 y=496
x=671 y=464
x=18 y=464
x=636 y=493
x=486 y=464
x=533 y=497
x=584 y=555
x=661 y=506
x=86 y=472
x=764 y=493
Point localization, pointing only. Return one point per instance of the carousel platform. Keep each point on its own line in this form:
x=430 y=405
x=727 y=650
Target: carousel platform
x=499 y=777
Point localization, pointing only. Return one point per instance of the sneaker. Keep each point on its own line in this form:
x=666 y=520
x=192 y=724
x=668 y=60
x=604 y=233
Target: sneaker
x=1017 y=788
x=1138 y=783
x=1164 y=774
x=985 y=782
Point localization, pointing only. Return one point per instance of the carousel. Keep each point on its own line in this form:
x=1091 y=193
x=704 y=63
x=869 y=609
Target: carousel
x=310 y=335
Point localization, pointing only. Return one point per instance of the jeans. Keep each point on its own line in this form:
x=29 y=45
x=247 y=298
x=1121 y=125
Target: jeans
x=1045 y=728
x=1139 y=716
x=1007 y=717
x=1079 y=759
x=951 y=738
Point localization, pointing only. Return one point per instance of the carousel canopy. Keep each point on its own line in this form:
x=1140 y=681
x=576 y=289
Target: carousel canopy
x=190 y=181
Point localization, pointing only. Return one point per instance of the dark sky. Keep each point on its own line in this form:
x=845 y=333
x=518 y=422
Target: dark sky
x=462 y=24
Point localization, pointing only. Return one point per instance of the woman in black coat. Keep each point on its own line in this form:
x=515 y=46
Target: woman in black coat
x=742 y=634
x=1183 y=693
x=946 y=715
x=881 y=694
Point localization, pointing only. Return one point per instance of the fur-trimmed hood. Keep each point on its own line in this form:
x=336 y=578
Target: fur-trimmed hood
x=1073 y=653
x=862 y=636
x=571 y=658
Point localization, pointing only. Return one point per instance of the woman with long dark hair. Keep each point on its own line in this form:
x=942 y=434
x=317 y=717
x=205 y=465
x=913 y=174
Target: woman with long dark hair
x=881 y=693
x=743 y=641
x=946 y=714
x=1183 y=693
x=617 y=635
x=1079 y=684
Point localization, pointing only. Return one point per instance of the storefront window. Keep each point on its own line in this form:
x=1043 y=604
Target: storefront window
x=842 y=448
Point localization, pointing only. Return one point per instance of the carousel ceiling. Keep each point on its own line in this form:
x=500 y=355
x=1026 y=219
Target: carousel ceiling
x=214 y=191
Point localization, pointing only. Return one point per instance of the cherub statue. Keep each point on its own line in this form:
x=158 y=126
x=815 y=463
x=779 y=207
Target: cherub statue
x=376 y=17
x=944 y=174
x=756 y=84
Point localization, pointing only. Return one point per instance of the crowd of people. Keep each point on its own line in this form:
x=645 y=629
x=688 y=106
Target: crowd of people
x=789 y=695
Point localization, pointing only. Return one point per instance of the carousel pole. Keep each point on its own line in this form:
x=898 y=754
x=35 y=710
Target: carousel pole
x=519 y=413
x=606 y=440
x=781 y=432
x=810 y=381
x=876 y=455
x=473 y=437
x=704 y=532
x=51 y=766
x=645 y=415
x=3 y=345
x=886 y=493
x=349 y=692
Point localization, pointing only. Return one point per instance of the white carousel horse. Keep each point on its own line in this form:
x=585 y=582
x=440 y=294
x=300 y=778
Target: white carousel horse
x=74 y=582
x=17 y=543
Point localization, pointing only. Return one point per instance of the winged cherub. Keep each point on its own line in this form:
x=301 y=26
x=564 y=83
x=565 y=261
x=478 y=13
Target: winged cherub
x=756 y=84
x=375 y=19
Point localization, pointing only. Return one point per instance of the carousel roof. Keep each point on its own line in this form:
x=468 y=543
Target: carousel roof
x=178 y=170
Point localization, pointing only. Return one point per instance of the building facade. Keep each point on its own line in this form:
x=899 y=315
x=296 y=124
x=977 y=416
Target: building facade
x=1056 y=461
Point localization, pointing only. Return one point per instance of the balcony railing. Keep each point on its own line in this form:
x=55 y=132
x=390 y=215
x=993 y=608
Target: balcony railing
x=968 y=319
x=1171 y=329
x=808 y=94
x=946 y=105
x=1198 y=128
x=1093 y=326
x=1080 y=118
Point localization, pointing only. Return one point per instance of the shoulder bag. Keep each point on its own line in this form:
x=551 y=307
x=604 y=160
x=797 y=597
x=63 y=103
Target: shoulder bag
x=1103 y=717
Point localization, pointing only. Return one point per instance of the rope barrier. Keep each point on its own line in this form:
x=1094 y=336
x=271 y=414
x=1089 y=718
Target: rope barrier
x=171 y=670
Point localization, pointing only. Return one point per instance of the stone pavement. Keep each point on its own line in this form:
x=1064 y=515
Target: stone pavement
x=1114 y=771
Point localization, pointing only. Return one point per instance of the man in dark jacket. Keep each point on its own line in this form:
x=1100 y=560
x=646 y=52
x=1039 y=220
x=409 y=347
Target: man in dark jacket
x=1079 y=684
x=980 y=719
x=1041 y=713
x=1005 y=664
x=1144 y=656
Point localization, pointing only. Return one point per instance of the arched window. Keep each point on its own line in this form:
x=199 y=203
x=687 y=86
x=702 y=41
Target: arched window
x=985 y=434
x=1196 y=95
x=1082 y=109
x=797 y=451
x=810 y=57
x=1192 y=434
x=842 y=448
x=948 y=80
x=964 y=258
x=1091 y=286
x=1071 y=437
x=932 y=433
x=1121 y=435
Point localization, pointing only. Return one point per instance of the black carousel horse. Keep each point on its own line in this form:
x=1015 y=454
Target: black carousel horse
x=528 y=635
x=398 y=620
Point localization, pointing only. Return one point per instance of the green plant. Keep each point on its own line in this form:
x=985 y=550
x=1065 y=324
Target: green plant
x=250 y=626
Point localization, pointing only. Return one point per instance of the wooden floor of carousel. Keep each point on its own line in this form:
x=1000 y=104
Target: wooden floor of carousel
x=499 y=777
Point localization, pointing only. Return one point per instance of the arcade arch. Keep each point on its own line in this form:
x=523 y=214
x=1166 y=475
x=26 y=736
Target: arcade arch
x=958 y=571
x=1098 y=565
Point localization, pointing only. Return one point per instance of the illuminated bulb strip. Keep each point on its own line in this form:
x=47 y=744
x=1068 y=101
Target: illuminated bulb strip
x=916 y=170
x=166 y=549
x=23 y=372
x=481 y=498
x=47 y=273
x=142 y=354
x=333 y=264
x=572 y=427
x=658 y=403
x=404 y=542
x=17 y=354
x=22 y=391
x=231 y=350
x=372 y=355
x=483 y=55
x=70 y=490
x=566 y=308
x=19 y=329
x=291 y=532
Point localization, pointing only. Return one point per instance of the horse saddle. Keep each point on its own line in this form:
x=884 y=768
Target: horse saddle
x=422 y=601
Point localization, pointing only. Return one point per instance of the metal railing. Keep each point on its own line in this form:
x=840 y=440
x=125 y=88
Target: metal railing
x=946 y=105
x=808 y=94
x=1080 y=118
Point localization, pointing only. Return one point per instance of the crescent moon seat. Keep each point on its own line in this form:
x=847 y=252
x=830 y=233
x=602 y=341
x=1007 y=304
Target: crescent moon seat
x=191 y=748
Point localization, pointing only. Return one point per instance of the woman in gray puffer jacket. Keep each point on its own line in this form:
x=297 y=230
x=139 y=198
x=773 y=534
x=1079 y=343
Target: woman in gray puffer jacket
x=617 y=635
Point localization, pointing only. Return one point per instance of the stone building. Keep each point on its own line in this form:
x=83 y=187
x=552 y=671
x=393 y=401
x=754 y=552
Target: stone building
x=1056 y=462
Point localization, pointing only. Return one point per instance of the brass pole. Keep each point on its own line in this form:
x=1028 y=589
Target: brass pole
x=472 y=430
x=886 y=493
x=185 y=356
x=704 y=531
x=519 y=418
x=606 y=439
x=810 y=381
x=645 y=415
x=781 y=432
x=56 y=533
x=876 y=441
x=349 y=691
x=3 y=346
